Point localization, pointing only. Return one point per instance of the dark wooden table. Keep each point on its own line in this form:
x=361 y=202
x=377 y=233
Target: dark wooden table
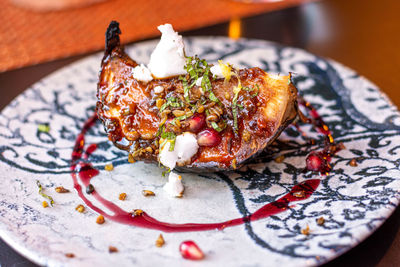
x=362 y=34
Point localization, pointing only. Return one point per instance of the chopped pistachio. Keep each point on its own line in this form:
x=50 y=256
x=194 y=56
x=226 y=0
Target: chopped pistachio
x=353 y=163
x=44 y=128
x=305 y=231
x=109 y=167
x=112 y=249
x=160 y=241
x=148 y=193
x=80 y=208
x=100 y=219
x=320 y=221
x=45 y=204
x=122 y=196
x=61 y=189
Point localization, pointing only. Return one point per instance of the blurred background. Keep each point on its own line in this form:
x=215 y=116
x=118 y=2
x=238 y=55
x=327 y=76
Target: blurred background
x=38 y=37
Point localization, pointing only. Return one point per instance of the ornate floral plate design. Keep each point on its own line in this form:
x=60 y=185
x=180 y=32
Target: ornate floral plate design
x=353 y=200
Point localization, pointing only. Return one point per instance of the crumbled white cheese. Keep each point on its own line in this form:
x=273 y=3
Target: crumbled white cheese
x=168 y=58
x=185 y=148
x=158 y=89
x=198 y=81
x=141 y=73
x=174 y=186
x=216 y=70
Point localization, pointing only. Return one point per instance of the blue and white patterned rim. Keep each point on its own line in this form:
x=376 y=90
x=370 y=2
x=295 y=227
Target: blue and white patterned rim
x=353 y=200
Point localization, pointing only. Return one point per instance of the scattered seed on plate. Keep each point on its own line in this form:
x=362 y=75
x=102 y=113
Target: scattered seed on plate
x=109 y=167
x=353 y=163
x=45 y=204
x=70 y=255
x=320 y=221
x=44 y=128
x=305 y=231
x=80 y=208
x=122 y=196
x=112 y=249
x=160 y=241
x=61 y=189
x=100 y=219
x=148 y=193
x=279 y=159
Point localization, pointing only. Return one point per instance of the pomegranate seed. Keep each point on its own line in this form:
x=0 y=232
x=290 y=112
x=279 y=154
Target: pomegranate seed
x=208 y=137
x=317 y=162
x=189 y=250
x=196 y=123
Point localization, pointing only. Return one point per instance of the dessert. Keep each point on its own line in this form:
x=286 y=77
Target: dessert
x=182 y=111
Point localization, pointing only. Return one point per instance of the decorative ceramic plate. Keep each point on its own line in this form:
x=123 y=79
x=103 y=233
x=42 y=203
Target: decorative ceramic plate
x=353 y=200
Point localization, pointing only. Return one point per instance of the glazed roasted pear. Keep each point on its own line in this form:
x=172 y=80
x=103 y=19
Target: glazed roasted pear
x=232 y=118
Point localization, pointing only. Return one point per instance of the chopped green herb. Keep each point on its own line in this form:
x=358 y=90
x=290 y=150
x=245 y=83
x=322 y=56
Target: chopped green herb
x=197 y=68
x=44 y=128
x=171 y=102
x=216 y=127
x=168 y=135
x=166 y=172
x=256 y=93
x=236 y=91
x=43 y=194
x=172 y=145
x=171 y=137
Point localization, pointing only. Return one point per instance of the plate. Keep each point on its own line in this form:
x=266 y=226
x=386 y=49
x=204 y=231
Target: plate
x=353 y=200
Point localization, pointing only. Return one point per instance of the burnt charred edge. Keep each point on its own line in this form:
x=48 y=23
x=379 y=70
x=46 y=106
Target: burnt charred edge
x=112 y=36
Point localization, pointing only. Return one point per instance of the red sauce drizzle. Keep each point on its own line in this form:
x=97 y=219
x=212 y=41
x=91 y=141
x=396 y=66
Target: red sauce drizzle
x=85 y=171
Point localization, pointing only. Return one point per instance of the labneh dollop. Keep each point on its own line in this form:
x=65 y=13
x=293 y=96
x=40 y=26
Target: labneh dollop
x=168 y=58
x=185 y=148
x=174 y=186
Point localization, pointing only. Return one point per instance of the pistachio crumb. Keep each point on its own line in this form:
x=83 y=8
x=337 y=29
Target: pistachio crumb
x=160 y=241
x=148 y=193
x=70 y=255
x=61 y=189
x=320 y=221
x=80 y=208
x=137 y=212
x=109 y=167
x=305 y=231
x=279 y=159
x=353 y=163
x=112 y=249
x=122 y=196
x=45 y=204
x=100 y=219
